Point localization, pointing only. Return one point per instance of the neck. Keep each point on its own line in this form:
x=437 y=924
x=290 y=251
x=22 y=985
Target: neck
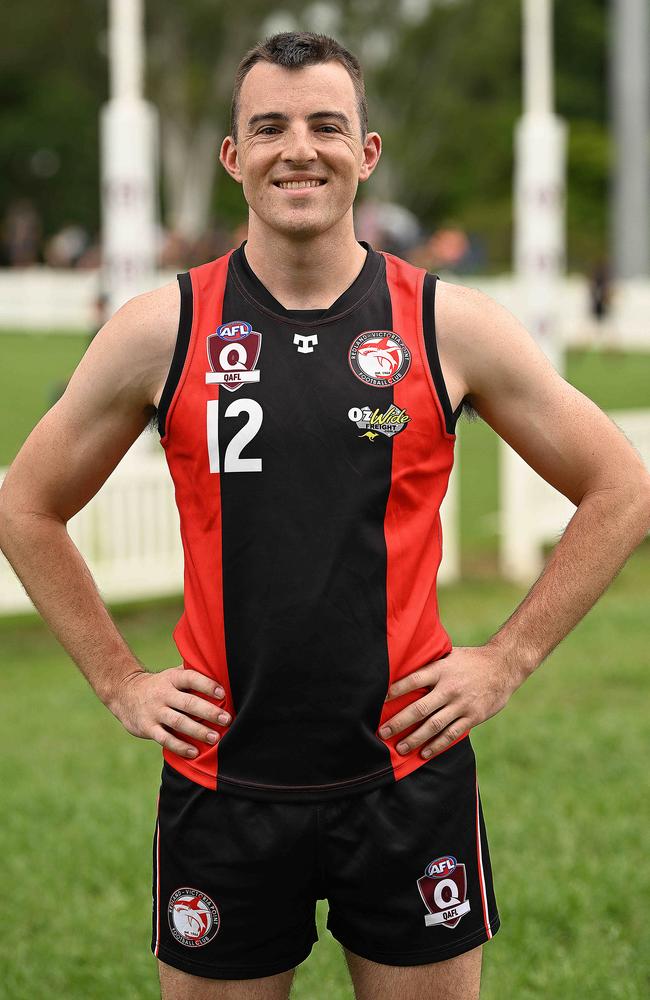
x=304 y=273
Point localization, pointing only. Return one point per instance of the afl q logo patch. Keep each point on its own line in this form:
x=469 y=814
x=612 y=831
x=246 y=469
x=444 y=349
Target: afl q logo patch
x=443 y=889
x=193 y=917
x=379 y=358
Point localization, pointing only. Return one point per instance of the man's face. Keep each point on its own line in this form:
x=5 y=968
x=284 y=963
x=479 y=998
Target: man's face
x=300 y=124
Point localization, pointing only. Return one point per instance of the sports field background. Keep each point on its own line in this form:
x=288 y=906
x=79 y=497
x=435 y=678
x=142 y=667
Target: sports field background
x=563 y=769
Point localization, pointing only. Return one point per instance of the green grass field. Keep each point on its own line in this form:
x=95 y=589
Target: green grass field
x=563 y=770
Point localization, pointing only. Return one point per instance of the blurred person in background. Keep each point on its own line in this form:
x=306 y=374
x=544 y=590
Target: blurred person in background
x=91 y=257
x=601 y=331
x=213 y=242
x=306 y=389
x=599 y=289
x=448 y=248
x=20 y=235
x=386 y=226
x=174 y=249
x=67 y=246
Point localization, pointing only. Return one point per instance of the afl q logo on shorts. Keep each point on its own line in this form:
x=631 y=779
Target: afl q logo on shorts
x=193 y=917
x=443 y=888
x=379 y=358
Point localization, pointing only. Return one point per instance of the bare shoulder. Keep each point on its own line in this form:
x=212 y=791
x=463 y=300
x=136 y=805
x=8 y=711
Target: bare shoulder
x=463 y=315
x=488 y=346
x=107 y=403
x=137 y=343
x=561 y=433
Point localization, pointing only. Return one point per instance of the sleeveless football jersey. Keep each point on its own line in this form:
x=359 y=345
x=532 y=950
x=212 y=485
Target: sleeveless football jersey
x=310 y=451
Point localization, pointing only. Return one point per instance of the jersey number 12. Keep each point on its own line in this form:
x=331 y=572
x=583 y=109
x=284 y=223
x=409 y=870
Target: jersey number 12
x=232 y=461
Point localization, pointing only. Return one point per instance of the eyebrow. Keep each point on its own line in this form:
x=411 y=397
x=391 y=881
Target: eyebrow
x=280 y=116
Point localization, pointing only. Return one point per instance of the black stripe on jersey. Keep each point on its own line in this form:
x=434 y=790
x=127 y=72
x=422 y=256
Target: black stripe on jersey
x=303 y=546
x=180 y=350
x=429 y=327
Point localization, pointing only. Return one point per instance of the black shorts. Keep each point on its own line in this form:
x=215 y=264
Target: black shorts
x=405 y=869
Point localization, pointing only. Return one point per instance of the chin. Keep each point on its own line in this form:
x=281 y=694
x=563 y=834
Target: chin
x=300 y=228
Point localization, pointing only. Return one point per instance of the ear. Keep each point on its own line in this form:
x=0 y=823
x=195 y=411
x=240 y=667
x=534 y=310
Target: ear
x=229 y=158
x=371 y=154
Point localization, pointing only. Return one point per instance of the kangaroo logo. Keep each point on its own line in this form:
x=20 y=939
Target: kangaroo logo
x=373 y=422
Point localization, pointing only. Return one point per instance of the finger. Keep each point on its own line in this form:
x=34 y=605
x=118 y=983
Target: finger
x=434 y=725
x=171 y=742
x=453 y=732
x=425 y=677
x=186 y=679
x=190 y=704
x=418 y=711
x=183 y=724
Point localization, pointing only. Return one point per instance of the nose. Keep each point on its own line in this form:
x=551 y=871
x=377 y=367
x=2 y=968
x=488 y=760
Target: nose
x=298 y=147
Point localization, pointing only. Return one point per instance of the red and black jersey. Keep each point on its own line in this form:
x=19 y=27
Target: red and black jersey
x=310 y=451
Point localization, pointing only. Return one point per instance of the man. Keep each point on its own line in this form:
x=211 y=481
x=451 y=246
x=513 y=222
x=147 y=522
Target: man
x=307 y=401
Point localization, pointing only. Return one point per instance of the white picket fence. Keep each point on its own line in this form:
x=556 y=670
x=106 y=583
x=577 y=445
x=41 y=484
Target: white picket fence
x=129 y=534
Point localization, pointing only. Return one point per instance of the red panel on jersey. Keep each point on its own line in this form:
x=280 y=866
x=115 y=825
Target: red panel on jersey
x=420 y=475
x=198 y=500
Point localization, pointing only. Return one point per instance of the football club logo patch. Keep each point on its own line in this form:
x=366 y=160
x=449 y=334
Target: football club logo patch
x=443 y=888
x=233 y=352
x=374 y=422
x=379 y=357
x=193 y=917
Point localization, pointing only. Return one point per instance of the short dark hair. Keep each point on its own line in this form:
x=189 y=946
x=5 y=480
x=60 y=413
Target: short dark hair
x=292 y=50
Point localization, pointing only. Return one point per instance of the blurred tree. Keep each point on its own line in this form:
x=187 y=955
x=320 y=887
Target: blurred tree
x=581 y=82
x=444 y=87
x=194 y=50
x=53 y=83
x=453 y=91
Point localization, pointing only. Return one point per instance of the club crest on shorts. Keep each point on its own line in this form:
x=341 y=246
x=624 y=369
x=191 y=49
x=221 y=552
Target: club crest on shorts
x=443 y=888
x=373 y=422
x=233 y=352
x=379 y=358
x=193 y=917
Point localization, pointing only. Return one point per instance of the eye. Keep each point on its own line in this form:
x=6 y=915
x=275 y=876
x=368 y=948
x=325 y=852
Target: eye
x=332 y=127
x=265 y=128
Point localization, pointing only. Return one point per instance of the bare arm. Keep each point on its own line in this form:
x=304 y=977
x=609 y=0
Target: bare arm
x=576 y=448
x=61 y=466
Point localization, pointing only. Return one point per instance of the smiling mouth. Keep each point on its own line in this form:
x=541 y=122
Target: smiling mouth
x=299 y=185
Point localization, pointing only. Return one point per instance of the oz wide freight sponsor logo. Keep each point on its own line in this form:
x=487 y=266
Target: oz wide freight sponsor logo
x=193 y=917
x=443 y=888
x=233 y=352
x=379 y=358
x=373 y=422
